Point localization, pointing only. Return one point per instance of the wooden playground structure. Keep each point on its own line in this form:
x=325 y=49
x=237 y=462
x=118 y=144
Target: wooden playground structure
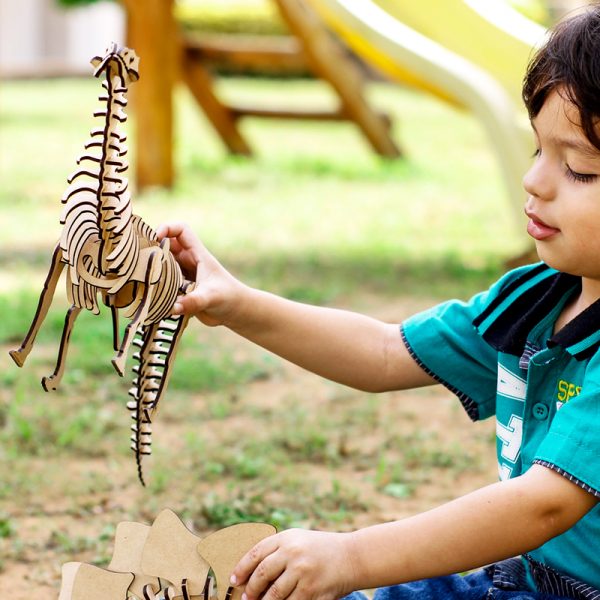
x=169 y=56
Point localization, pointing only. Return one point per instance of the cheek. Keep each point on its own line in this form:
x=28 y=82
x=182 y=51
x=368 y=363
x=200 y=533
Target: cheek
x=581 y=214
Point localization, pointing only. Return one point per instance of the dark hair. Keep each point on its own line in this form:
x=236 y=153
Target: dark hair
x=569 y=60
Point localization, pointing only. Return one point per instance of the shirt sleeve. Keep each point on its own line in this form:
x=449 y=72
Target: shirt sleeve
x=572 y=444
x=446 y=344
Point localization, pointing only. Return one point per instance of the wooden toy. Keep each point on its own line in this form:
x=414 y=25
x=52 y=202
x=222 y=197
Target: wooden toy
x=165 y=561
x=130 y=539
x=170 y=553
x=112 y=254
x=81 y=581
x=223 y=549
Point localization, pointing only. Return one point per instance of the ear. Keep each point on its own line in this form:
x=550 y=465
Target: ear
x=96 y=61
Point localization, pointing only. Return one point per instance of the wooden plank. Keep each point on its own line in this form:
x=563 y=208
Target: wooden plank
x=255 y=53
x=316 y=114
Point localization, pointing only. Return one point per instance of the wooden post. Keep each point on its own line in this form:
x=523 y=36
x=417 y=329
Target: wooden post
x=152 y=33
x=330 y=64
x=221 y=117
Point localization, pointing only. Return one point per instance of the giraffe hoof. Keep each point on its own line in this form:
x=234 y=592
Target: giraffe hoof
x=49 y=384
x=119 y=365
x=17 y=357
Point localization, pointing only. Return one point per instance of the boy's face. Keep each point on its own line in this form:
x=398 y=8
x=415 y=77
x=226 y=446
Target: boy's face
x=563 y=187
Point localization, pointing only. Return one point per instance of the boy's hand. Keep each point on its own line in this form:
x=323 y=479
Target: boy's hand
x=217 y=292
x=297 y=564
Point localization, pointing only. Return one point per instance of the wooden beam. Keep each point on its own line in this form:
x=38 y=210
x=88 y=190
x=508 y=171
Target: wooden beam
x=152 y=32
x=330 y=63
x=265 y=54
x=240 y=110
x=220 y=116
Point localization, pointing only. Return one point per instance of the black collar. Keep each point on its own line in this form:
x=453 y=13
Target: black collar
x=509 y=319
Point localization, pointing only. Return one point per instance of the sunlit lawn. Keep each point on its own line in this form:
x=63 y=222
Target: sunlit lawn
x=315 y=215
x=314 y=194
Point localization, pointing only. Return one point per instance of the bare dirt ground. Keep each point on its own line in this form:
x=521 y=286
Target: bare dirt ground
x=385 y=457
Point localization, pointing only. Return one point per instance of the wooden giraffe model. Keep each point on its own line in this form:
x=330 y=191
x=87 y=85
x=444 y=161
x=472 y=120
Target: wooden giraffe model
x=165 y=561
x=111 y=254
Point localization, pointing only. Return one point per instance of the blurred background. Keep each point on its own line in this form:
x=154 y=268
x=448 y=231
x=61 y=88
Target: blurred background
x=366 y=155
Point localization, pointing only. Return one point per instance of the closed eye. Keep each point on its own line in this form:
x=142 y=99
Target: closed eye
x=580 y=177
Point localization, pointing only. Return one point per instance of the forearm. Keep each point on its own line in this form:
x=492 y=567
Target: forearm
x=497 y=522
x=343 y=346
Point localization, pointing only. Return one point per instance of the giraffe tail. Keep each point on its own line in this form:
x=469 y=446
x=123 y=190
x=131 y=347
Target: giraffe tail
x=157 y=345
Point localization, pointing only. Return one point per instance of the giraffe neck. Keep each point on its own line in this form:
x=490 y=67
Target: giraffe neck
x=114 y=207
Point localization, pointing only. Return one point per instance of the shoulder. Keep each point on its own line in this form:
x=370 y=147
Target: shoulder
x=512 y=286
x=519 y=301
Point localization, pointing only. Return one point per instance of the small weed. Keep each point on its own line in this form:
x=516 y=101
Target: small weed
x=69 y=545
x=242 y=507
x=159 y=480
x=242 y=461
x=210 y=369
x=435 y=456
x=33 y=427
x=7 y=527
x=391 y=476
x=312 y=439
x=339 y=503
x=398 y=490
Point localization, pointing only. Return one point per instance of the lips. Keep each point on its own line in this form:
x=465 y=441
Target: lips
x=539 y=230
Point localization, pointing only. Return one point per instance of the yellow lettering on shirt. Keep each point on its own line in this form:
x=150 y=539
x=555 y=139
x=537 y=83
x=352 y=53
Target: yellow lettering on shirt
x=566 y=390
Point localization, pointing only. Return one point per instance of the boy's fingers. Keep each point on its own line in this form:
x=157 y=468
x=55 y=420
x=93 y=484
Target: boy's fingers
x=193 y=303
x=186 y=305
x=178 y=230
x=251 y=560
x=172 y=229
x=282 y=587
x=269 y=578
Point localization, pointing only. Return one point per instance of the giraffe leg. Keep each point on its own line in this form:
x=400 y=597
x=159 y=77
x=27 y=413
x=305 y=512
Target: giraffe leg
x=115 y=326
x=56 y=267
x=50 y=383
x=140 y=315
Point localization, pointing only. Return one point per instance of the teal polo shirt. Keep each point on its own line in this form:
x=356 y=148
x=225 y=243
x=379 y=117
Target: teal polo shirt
x=498 y=354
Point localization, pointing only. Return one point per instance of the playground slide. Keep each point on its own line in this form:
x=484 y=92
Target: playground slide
x=489 y=87
x=490 y=34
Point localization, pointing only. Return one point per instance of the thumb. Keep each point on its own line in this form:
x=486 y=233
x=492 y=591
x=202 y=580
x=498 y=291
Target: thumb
x=190 y=304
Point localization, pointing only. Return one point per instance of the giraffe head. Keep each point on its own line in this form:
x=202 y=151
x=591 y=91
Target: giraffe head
x=119 y=61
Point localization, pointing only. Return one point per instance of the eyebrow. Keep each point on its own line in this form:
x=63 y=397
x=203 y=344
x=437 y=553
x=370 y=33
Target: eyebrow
x=574 y=144
x=582 y=147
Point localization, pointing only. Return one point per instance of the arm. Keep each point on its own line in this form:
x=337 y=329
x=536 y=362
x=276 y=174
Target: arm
x=343 y=346
x=496 y=522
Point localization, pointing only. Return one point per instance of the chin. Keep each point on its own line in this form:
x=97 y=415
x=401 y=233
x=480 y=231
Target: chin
x=554 y=260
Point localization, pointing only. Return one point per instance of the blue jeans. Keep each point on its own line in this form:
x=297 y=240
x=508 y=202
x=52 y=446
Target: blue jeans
x=481 y=585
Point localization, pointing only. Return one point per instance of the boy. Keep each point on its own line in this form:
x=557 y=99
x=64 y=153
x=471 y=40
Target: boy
x=525 y=351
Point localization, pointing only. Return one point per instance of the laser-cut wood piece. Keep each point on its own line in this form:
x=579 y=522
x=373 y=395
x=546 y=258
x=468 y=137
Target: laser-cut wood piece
x=112 y=254
x=223 y=549
x=165 y=554
x=170 y=553
x=81 y=581
x=130 y=539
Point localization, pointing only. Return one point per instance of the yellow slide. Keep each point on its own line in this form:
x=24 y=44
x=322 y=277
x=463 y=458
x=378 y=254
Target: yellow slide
x=471 y=53
x=488 y=33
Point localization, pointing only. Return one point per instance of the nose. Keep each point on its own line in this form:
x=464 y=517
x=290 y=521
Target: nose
x=537 y=181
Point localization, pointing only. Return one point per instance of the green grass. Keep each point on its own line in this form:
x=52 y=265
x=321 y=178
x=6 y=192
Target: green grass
x=316 y=216
x=315 y=203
